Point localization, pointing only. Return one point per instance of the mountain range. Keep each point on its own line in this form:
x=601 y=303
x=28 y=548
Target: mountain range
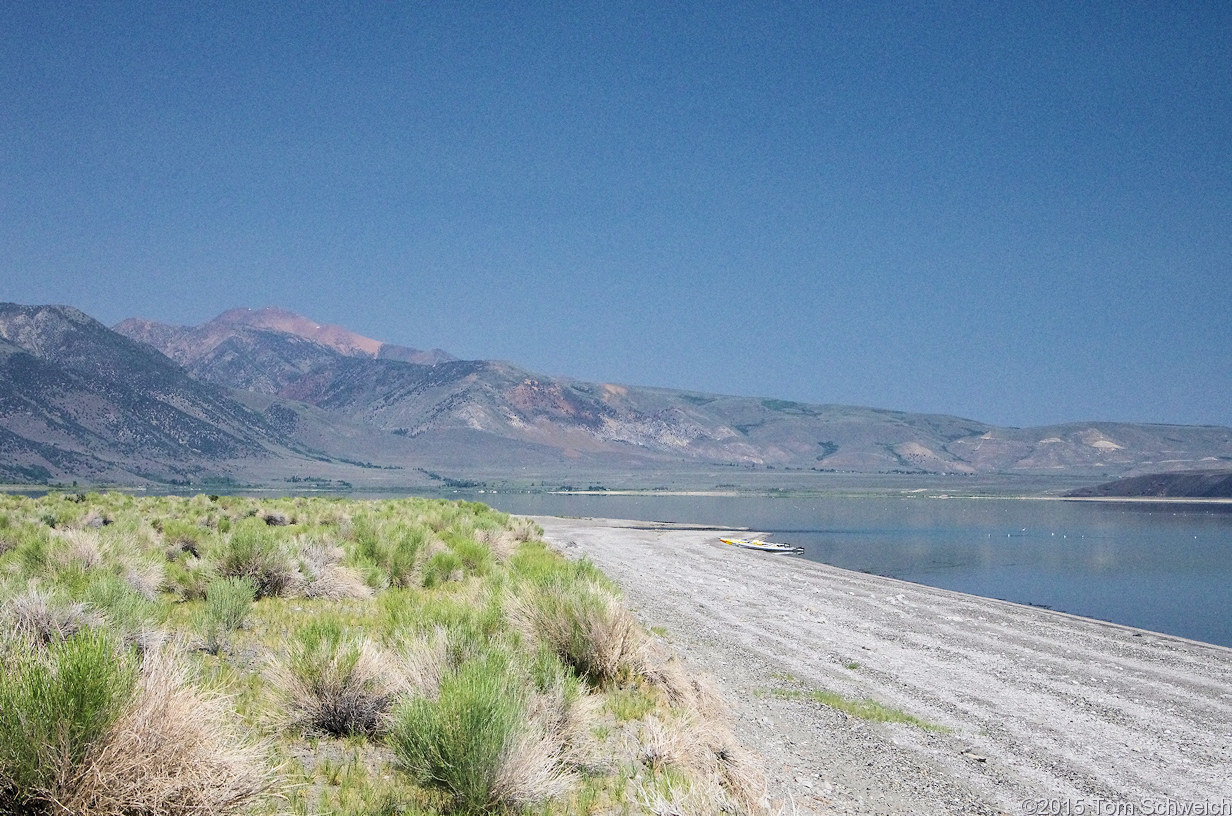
x=265 y=396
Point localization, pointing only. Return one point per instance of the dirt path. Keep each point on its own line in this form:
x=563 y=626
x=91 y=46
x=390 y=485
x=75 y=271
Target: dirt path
x=1044 y=711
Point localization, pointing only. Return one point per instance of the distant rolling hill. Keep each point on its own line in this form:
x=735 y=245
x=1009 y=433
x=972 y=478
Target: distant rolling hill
x=267 y=395
x=1211 y=484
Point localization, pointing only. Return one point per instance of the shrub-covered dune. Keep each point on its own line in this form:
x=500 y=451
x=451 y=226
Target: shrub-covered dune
x=225 y=655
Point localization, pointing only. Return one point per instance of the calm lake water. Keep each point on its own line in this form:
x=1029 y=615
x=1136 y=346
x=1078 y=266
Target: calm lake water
x=1164 y=567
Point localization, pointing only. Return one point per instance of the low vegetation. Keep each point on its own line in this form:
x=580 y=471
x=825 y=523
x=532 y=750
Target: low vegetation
x=228 y=655
x=863 y=709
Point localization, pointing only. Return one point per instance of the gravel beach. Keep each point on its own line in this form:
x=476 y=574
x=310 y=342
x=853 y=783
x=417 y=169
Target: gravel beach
x=1034 y=711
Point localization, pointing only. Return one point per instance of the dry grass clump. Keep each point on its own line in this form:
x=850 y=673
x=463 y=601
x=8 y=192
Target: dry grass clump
x=583 y=622
x=172 y=751
x=335 y=683
x=683 y=688
x=502 y=542
x=696 y=741
x=43 y=617
x=79 y=549
x=324 y=576
x=82 y=551
x=531 y=769
x=422 y=661
x=741 y=776
x=524 y=529
x=255 y=552
x=680 y=797
x=568 y=718
x=673 y=744
x=145 y=577
x=93 y=519
x=705 y=750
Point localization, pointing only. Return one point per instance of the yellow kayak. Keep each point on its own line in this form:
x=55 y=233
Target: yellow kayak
x=764 y=546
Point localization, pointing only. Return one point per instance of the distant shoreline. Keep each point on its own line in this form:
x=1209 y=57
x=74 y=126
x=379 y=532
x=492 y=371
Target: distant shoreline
x=361 y=492
x=915 y=493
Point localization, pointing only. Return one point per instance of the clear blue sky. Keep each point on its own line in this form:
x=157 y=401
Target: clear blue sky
x=1016 y=212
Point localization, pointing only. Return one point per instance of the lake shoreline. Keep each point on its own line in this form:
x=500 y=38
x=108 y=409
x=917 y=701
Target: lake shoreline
x=917 y=493
x=1037 y=704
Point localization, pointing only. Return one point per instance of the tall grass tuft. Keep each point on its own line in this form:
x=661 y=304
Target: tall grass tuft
x=127 y=611
x=55 y=705
x=45 y=617
x=254 y=551
x=393 y=548
x=582 y=621
x=443 y=566
x=173 y=751
x=458 y=742
x=189 y=577
x=336 y=683
x=227 y=604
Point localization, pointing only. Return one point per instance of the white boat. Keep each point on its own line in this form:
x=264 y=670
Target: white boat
x=763 y=546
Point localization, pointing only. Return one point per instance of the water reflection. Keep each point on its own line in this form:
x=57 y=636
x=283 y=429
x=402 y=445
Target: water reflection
x=1160 y=567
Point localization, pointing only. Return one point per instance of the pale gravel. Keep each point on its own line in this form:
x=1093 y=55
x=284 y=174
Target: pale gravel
x=1041 y=706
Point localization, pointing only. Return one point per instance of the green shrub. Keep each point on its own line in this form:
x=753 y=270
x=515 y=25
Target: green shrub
x=457 y=743
x=582 y=621
x=335 y=682
x=535 y=562
x=254 y=551
x=470 y=623
x=227 y=604
x=407 y=544
x=127 y=611
x=441 y=567
x=393 y=549
x=55 y=704
x=31 y=550
x=185 y=537
x=475 y=558
x=189 y=578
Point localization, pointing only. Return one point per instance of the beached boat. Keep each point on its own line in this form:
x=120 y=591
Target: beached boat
x=763 y=546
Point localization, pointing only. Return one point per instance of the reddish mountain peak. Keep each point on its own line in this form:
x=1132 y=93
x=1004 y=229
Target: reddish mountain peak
x=335 y=337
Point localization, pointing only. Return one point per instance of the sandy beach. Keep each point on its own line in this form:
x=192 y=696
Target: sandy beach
x=1039 y=712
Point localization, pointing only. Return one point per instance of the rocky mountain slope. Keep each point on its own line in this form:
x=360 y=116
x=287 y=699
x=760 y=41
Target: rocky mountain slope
x=484 y=405
x=268 y=395
x=237 y=337
x=78 y=400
